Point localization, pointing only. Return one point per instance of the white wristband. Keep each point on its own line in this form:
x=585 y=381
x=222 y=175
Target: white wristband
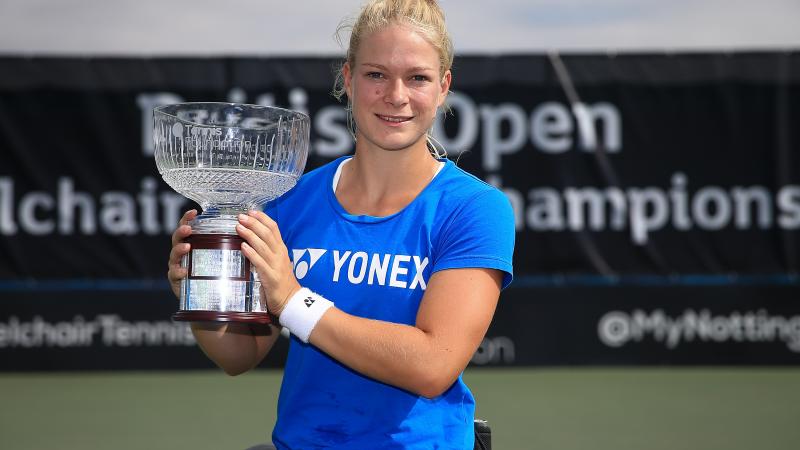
x=302 y=312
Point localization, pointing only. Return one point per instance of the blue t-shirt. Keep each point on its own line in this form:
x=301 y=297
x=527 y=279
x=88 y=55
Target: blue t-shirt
x=378 y=268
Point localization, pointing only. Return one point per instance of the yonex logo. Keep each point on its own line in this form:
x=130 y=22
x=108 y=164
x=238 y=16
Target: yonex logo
x=381 y=269
x=357 y=267
x=301 y=268
x=309 y=301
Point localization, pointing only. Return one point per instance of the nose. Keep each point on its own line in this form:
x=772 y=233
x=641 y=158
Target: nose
x=396 y=93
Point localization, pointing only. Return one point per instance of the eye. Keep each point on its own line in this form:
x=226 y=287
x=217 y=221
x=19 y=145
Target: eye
x=420 y=78
x=375 y=75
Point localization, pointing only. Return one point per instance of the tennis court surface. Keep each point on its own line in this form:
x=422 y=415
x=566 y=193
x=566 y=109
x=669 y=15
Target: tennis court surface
x=560 y=409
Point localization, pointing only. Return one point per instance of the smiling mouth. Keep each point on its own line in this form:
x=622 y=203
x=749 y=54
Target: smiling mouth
x=394 y=119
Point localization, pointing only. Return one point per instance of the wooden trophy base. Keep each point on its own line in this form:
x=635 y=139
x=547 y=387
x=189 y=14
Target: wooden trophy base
x=202 y=242
x=261 y=318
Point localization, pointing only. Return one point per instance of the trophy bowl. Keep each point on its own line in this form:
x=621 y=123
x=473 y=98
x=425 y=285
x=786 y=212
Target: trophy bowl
x=229 y=158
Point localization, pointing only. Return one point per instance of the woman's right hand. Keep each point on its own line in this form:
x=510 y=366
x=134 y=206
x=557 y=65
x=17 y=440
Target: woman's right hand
x=177 y=273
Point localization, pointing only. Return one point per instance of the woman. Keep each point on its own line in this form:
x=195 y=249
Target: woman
x=399 y=259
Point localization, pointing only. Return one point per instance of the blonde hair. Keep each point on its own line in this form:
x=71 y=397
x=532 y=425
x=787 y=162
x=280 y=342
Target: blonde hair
x=423 y=16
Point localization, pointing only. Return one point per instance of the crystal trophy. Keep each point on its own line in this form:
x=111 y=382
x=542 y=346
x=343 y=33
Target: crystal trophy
x=229 y=158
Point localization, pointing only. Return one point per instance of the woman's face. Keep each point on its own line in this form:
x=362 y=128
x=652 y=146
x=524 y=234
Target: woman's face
x=395 y=88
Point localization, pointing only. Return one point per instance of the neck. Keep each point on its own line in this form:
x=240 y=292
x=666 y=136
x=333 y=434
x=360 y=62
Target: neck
x=383 y=170
x=379 y=182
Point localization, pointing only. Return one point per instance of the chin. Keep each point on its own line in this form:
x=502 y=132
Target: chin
x=396 y=144
x=396 y=147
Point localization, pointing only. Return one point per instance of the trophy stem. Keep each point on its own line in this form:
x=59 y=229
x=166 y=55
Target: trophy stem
x=216 y=222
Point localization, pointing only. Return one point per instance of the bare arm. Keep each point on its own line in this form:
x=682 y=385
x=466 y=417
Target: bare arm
x=234 y=347
x=426 y=358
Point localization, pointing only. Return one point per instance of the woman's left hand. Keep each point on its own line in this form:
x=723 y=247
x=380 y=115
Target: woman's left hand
x=266 y=251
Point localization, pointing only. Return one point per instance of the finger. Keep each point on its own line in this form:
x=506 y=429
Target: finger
x=263 y=232
x=187 y=216
x=181 y=233
x=183 y=230
x=254 y=241
x=267 y=221
x=177 y=273
x=177 y=253
x=257 y=260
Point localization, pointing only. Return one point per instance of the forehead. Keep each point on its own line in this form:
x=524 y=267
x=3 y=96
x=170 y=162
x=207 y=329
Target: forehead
x=398 y=47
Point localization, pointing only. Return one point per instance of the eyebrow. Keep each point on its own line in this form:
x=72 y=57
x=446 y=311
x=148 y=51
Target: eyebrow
x=413 y=69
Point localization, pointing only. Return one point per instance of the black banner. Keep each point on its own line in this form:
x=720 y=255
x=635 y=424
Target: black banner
x=579 y=325
x=640 y=324
x=116 y=326
x=677 y=170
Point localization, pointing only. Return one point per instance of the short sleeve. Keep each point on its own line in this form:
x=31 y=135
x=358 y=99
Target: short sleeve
x=479 y=235
x=271 y=209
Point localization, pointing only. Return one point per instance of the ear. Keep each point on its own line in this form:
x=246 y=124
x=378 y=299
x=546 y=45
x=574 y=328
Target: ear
x=444 y=88
x=347 y=78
